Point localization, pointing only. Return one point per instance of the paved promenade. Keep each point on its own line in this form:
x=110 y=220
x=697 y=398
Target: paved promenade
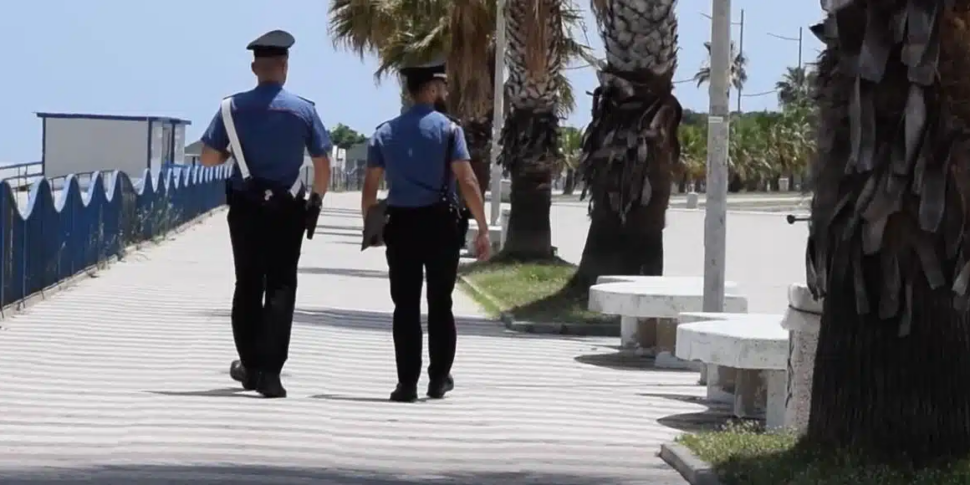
x=123 y=379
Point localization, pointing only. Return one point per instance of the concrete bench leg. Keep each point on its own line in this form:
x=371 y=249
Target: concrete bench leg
x=667 y=346
x=776 y=382
x=638 y=335
x=801 y=370
x=720 y=384
x=749 y=394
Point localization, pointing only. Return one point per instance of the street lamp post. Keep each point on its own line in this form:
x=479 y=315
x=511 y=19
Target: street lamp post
x=715 y=219
x=498 y=115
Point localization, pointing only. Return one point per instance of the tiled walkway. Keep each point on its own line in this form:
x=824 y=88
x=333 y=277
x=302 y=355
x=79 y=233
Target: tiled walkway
x=123 y=379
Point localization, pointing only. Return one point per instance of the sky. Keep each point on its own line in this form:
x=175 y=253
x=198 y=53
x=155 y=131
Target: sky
x=179 y=58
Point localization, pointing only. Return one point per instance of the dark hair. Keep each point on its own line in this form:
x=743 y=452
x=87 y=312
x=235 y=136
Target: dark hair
x=415 y=86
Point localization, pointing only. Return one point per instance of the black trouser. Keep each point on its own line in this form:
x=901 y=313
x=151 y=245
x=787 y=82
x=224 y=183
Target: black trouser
x=422 y=239
x=266 y=242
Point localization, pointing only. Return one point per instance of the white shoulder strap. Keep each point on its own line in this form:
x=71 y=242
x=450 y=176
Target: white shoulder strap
x=234 y=146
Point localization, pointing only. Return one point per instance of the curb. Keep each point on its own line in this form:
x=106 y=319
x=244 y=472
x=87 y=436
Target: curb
x=92 y=271
x=478 y=293
x=692 y=468
x=573 y=329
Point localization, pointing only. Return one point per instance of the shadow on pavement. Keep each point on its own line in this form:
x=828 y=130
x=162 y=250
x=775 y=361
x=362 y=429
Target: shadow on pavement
x=238 y=474
x=381 y=322
x=356 y=273
x=337 y=397
x=715 y=417
x=623 y=361
x=221 y=392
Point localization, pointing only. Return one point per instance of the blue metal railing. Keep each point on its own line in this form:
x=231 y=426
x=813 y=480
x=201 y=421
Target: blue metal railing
x=57 y=235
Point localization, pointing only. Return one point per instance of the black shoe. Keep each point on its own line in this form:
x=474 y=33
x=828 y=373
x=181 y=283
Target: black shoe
x=405 y=393
x=269 y=385
x=240 y=375
x=437 y=388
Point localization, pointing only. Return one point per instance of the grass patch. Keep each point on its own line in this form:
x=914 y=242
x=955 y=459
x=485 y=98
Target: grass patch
x=742 y=455
x=532 y=292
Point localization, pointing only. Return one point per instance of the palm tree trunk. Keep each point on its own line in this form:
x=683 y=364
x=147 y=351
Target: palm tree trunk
x=569 y=185
x=478 y=135
x=635 y=244
x=533 y=137
x=530 y=137
x=631 y=144
x=888 y=245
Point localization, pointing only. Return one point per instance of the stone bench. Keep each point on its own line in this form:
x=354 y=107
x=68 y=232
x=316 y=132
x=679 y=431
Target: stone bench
x=648 y=307
x=494 y=235
x=802 y=321
x=757 y=350
x=722 y=388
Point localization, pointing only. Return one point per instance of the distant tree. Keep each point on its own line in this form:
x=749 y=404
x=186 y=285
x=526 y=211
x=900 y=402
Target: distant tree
x=694 y=118
x=794 y=88
x=345 y=137
x=739 y=68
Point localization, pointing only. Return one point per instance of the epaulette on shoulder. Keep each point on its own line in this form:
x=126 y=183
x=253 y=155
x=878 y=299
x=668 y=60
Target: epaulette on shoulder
x=307 y=100
x=453 y=119
x=381 y=124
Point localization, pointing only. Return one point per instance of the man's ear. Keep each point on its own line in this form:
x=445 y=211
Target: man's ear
x=252 y=67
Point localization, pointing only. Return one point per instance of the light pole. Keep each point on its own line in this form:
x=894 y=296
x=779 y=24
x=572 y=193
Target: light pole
x=740 y=24
x=715 y=218
x=498 y=115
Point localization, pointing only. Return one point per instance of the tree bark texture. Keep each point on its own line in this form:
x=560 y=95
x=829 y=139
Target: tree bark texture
x=888 y=245
x=530 y=137
x=530 y=148
x=630 y=147
x=478 y=135
x=615 y=247
x=530 y=232
x=629 y=152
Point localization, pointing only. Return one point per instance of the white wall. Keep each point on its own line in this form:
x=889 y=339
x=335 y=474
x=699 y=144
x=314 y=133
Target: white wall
x=73 y=145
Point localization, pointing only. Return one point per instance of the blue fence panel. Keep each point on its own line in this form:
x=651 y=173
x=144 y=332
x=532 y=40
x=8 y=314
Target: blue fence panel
x=59 y=234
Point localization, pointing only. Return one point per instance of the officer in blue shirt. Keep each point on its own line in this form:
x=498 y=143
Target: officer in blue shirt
x=423 y=153
x=267 y=129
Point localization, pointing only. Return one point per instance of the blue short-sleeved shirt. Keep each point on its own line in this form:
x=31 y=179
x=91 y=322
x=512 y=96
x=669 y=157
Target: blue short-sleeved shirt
x=411 y=150
x=275 y=127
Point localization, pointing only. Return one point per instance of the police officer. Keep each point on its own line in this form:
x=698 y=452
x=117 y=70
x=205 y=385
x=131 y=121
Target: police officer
x=422 y=153
x=267 y=130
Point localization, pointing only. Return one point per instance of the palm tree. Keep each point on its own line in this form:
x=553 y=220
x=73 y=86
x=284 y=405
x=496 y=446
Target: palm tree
x=530 y=138
x=888 y=245
x=399 y=32
x=739 y=69
x=794 y=88
x=631 y=143
x=403 y=31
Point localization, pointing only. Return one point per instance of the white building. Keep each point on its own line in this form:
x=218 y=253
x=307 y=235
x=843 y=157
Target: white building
x=84 y=143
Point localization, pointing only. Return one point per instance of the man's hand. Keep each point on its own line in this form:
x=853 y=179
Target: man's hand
x=483 y=246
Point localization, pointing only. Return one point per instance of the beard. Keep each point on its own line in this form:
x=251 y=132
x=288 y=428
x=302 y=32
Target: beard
x=441 y=106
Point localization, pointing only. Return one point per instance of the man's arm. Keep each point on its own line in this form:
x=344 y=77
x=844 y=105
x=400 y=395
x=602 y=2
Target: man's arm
x=319 y=147
x=372 y=178
x=467 y=181
x=215 y=141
